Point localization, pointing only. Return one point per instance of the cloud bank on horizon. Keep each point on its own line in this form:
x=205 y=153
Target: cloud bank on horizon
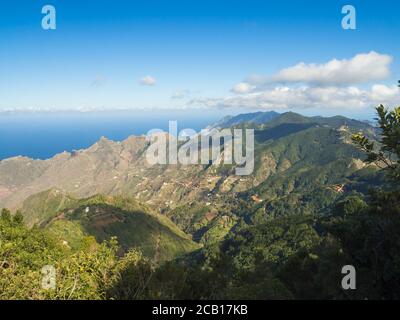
x=337 y=84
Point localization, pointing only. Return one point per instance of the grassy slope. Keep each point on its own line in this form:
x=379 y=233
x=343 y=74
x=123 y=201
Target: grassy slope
x=102 y=217
x=43 y=206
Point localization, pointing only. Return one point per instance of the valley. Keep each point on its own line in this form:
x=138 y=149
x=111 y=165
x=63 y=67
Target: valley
x=298 y=160
x=115 y=227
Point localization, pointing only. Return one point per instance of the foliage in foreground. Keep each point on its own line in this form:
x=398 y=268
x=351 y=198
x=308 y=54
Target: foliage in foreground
x=86 y=273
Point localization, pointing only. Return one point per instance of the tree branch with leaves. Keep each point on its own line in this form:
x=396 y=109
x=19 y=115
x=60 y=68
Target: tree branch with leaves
x=386 y=154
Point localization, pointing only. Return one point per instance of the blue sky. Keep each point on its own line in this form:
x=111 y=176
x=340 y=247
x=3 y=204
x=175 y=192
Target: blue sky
x=194 y=53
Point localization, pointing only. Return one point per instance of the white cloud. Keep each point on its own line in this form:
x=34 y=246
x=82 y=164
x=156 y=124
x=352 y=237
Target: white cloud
x=382 y=92
x=362 y=68
x=327 y=85
x=242 y=87
x=148 y=81
x=284 y=97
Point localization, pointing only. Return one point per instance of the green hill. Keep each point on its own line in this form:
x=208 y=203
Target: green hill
x=44 y=205
x=103 y=217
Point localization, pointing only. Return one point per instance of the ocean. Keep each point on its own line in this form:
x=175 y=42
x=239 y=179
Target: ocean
x=41 y=135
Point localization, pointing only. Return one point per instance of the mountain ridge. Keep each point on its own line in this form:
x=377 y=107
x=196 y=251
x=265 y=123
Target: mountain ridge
x=111 y=167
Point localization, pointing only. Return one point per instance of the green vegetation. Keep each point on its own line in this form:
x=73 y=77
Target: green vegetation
x=103 y=217
x=24 y=252
x=286 y=235
x=388 y=154
x=42 y=206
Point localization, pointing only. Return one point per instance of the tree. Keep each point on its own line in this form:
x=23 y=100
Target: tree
x=6 y=215
x=387 y=154
x=18 y=217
